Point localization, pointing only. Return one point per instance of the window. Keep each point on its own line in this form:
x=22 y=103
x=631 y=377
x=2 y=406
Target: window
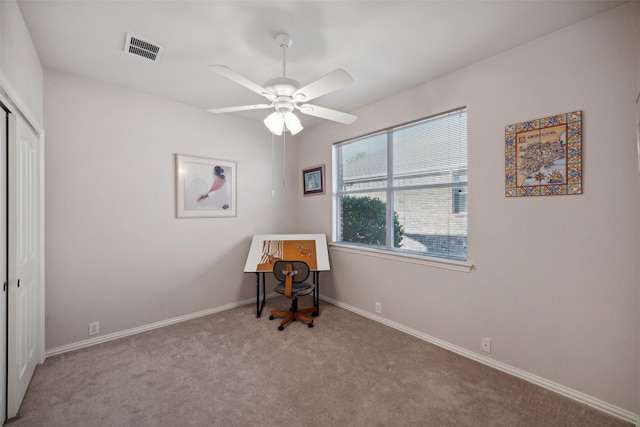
x=405 y=189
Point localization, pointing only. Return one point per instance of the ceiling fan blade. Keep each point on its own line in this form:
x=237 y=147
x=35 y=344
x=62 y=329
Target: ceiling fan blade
x=328 y=83
x=243 y=81
x=327 y=113
x=239 y=108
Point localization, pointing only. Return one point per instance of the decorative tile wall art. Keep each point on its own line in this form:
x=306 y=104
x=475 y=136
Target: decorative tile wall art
x=543 y=157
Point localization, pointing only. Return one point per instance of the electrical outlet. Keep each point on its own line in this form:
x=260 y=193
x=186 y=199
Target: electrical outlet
x=378 y=307
x=485 y=344
x=94 y=328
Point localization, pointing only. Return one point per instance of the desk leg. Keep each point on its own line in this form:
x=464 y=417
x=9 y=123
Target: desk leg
x=259 y=307
x=316 y=293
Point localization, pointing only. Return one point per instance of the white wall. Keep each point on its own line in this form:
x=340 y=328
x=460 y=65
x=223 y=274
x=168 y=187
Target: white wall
x=20 y=68
x=556 y=279
x=115 y=252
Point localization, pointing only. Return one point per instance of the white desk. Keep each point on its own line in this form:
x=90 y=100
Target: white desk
x=266 y=248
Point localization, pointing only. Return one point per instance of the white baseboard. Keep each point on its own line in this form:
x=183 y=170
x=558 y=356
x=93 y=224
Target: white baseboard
x=133 y=331
x=542 y=382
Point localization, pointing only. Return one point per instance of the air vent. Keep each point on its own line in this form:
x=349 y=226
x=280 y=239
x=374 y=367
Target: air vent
x=137 y=46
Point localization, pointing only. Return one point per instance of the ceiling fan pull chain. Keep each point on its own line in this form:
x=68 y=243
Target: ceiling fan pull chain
x=273 y=162
x=284 y=159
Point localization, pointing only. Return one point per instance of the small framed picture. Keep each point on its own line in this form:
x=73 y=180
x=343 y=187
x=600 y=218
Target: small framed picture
x=205 y=187
x=313 y=180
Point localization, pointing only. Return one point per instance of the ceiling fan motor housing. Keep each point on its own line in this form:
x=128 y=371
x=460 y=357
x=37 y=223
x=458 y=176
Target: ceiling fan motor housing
x=283 y=88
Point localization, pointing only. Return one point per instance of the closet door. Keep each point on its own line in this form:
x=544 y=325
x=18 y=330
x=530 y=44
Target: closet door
x=3 y=264
x=25 y=260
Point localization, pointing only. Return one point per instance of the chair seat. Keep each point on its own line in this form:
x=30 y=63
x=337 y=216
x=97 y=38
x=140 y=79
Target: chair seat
x=297 y=289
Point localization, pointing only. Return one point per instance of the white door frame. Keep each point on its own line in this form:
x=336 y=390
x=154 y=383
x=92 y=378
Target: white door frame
x=11 y=99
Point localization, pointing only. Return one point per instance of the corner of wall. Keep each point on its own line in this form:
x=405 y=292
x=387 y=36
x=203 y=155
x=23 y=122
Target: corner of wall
x=21 y=72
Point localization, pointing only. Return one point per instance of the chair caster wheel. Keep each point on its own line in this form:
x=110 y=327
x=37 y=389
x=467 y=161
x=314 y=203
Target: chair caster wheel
x=281 y=328
x=311 y=325
x=271 y=317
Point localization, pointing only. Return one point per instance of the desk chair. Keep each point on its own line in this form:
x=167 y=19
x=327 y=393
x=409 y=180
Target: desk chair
x=291 y=276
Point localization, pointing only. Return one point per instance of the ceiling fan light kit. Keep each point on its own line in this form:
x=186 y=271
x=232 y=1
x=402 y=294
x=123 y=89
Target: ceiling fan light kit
x=285 y=93
x=277 y=122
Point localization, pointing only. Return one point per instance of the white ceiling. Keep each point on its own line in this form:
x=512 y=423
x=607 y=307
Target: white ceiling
x=386 y=46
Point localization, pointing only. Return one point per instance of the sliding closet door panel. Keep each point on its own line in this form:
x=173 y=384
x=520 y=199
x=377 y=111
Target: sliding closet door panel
x=25 y=239
x=3 y=265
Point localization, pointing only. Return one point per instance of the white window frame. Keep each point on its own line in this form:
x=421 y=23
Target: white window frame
x=389 y=251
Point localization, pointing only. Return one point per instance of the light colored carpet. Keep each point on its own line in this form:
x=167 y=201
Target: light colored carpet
x=233 y=369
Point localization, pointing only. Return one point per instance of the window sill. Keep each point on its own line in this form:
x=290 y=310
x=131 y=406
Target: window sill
x=402 y=257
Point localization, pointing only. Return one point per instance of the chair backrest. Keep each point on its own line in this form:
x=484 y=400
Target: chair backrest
x=298 y=270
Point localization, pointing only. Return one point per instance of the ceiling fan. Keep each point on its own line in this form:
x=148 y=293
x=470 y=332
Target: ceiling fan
x=286 y=95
